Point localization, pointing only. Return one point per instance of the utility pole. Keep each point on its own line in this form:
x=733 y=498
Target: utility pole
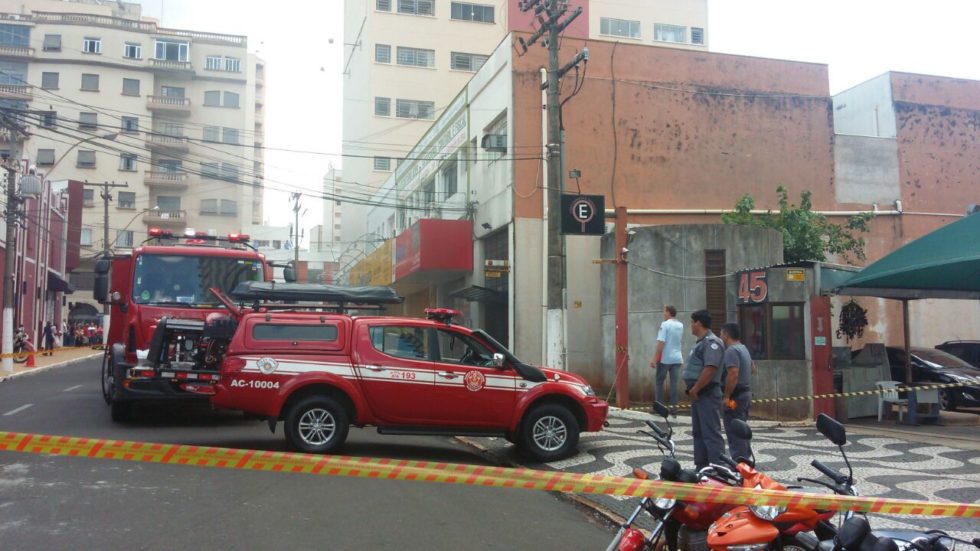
x=106 y=196
x=553 y=17
x=296 y=206
x=11 y=214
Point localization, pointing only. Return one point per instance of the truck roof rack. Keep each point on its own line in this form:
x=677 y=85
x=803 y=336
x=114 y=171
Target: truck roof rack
x=315 y=292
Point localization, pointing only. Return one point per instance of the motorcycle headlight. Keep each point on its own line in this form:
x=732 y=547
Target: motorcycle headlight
x=766 y=512
x=752 y=547
x=664 y=503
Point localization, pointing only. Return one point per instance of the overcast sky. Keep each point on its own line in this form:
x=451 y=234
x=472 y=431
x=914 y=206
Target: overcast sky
x=858 y=39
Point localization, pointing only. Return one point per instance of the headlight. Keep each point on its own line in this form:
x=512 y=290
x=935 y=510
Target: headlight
x=586 y=389
x=664 y=503
x=766 y=512
x=752 y=547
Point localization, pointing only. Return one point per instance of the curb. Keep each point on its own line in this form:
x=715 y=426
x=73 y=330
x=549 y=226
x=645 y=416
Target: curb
x=52 y=366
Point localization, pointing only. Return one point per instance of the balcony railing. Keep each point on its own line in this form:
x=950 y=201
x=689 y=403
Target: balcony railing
x=159 y=142
x=175 y=105
x=16 y=51
x=15 y=91
x=133 y=25
x=166 y=178
x=165 y=217
x=170 y=65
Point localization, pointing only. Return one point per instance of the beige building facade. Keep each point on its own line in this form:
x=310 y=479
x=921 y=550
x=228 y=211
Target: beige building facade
x=175 y=116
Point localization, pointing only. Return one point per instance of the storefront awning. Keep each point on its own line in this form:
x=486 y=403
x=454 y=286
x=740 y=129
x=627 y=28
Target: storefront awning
x=475 y=293
x=59 y=284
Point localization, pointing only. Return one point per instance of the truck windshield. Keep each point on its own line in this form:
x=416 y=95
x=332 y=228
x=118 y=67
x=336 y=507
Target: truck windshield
x=185 y=280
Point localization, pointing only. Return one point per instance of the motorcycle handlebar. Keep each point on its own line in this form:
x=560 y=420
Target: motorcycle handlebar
x=728 y=461
x=836 y=488
x=830 y=473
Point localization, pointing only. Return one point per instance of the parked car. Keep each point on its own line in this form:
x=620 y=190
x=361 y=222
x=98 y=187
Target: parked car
x=935 y=366
x=968 y=351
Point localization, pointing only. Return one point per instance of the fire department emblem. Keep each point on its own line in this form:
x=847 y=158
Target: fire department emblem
x=267 y=365
x=474 y=381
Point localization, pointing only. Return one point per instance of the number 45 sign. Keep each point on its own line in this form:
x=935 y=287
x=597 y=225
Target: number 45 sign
x=752 y=287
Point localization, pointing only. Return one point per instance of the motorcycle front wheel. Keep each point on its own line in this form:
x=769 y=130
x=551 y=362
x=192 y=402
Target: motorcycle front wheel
x=21 y=353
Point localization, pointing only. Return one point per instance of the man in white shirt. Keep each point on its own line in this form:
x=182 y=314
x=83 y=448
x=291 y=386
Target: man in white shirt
x=668 y=358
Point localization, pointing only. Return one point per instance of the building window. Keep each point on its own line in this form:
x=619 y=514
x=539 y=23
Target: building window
x=171 y=51
x=212 y=133
x=714 y=286
x=209 y=206
x=86 y=158
x=88 y=120
x=133 y=51
x=231 y=99
x=230 y=136
x=127 y=162
x=90 y=82
x=212 y=63
x=414 y=109
x=92 y=45
x=212 y=98
x=173 y=129
x=464 y=11
x=229 y=172
x=697 y=35
x=130 y=124
x=773 y=331
x=466 y=62
x=49 y=81
x=416 y=57
x=382 y=5
x=619 y=27
x=124 y=238
x=416 y=7
x=170 y=165
x=233 y=65
x=211 y=170
x=45 y=157
x=497 y=128
x=131 y=87
x=127 y=199
x=49 y=119
x=52 y=43
x=450 y=180
x=168 y=203
x=172 y=92
x=382 y=163
x=382 y=107
x=219 y=207
x=669 y=33
x=382 y=53
x=85 y=238
x=88 y=197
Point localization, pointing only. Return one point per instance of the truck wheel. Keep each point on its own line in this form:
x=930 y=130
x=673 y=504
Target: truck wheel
x=317 y=424
x=549 y=432
x=121 y=412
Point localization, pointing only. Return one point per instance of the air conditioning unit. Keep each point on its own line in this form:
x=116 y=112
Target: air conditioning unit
x=495 y=142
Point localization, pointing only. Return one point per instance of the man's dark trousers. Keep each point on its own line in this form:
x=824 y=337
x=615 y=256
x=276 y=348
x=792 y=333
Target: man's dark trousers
x=708 y=442
x=736 y=446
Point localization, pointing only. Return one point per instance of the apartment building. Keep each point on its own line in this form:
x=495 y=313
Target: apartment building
x=113 y=97
x=405 y=61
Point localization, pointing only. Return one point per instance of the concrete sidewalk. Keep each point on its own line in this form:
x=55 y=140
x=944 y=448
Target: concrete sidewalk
x=60 y=357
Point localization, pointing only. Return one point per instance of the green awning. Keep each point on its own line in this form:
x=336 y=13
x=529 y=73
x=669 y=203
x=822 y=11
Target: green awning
x=941 y=264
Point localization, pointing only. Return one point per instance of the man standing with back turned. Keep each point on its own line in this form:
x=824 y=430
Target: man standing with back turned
x=702 y=375
x=668 y=358
x=737 y=395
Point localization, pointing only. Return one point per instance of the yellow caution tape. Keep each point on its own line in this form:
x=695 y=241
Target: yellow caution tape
x=451 y=473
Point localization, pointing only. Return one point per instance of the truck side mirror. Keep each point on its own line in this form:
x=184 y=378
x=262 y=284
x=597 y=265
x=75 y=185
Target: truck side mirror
x=101 y=290
x=498 y=359
x=289 y=273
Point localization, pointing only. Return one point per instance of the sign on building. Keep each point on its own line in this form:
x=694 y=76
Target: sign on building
x=753 y=287
x=583 y=214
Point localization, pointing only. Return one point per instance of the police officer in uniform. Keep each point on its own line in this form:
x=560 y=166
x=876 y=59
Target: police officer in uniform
x=702 y=376
x=737 y=389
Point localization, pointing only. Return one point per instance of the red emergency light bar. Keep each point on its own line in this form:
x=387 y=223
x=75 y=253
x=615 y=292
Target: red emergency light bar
x=198 y=238
x=444 y=315
x=157 y=232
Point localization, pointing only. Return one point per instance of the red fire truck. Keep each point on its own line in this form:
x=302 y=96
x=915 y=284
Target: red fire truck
x=165 y=283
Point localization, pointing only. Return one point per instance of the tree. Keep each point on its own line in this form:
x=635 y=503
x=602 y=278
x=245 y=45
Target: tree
x=807 y=235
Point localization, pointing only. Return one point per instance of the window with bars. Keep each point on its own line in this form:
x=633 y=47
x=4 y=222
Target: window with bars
x=459 y=61
x=88 y=120
x=131 y=87
x=382 y=107
x=45 y=157
x=416 y=7
x=416 y=57
x=212 y=63
x=130 y=124
x=127 y=199
x=414 y=109
x=233 y=65
x=127 y=162
x=92 y=45
x=382 y=163
x=669 y=33
x=619 y=27
x=133 y=51
x=382 y=5
x=697 y=35
x=465 y=11
x=90 y=82
x=86 y=158
x=382 y=53
x=50 y=80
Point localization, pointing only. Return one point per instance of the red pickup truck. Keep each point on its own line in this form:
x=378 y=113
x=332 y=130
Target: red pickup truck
x=320 y=370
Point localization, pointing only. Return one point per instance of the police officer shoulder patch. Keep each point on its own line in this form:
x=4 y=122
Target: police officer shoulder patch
x=714 y=346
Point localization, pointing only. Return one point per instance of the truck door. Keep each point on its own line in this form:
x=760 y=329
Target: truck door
x=470 y=391
x=394 y=366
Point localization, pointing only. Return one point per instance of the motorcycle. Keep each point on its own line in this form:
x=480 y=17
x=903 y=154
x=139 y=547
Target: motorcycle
x=22 y=346
x=681 y=524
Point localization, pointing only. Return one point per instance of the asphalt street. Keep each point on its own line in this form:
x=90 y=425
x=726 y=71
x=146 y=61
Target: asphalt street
x=75 y=503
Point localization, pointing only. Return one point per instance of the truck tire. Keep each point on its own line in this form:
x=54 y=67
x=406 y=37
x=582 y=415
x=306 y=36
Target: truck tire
x=316 y=424
x=121 y=411
x=108 y=378
x=549 y=432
